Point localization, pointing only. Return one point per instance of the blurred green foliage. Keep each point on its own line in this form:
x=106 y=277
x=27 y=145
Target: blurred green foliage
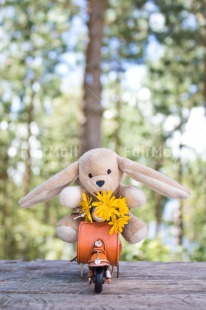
x=153 y=69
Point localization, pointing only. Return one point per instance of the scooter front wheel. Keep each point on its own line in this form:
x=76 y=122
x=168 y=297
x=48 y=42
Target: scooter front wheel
x=99 y=279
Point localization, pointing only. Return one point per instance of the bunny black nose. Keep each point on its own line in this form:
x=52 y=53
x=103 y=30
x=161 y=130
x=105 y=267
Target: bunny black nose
x=100 y=183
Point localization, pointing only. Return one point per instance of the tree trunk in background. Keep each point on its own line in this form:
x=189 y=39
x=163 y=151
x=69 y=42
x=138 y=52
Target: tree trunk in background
x=205 y=75
x=204 y=45
x=118 y=104
x=179 y=223
x=117 y=137
x=158 y=213
x=4 y=197
x=157 y=197
x=179 y=218
x=27 y=174
x=90 y=132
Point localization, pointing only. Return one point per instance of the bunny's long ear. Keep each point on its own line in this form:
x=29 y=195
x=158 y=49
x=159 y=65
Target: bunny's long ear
x=153 y=179
x=51 y=187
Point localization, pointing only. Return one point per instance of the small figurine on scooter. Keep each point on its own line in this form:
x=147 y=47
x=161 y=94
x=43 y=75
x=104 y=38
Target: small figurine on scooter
x=99 y=173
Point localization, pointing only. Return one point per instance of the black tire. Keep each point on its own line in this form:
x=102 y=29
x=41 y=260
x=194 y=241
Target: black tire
x=98 y=280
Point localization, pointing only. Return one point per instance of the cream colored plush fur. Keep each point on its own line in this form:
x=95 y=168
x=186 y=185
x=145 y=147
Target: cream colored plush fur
x=97 y=170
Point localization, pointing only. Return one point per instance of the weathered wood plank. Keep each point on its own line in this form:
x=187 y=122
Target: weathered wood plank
x=142 y=285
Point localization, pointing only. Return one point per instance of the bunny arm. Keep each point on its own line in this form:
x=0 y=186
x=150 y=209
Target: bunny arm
x=71 y=196
x=135 y=197
x=135 y=231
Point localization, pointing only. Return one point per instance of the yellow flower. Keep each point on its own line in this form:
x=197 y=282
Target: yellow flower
x=107 y=206
x=122 y=206
x=86 y=206
x=118 y=224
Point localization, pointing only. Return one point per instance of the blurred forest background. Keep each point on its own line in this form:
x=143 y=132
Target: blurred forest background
x=126 y=75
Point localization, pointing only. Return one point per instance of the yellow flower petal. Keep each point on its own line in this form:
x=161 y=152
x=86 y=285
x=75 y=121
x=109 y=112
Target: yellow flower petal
x=86 y=206
x=118 y=224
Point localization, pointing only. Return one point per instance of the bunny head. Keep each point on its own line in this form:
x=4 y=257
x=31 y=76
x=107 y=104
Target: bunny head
x=99 y=170
x=102 y=169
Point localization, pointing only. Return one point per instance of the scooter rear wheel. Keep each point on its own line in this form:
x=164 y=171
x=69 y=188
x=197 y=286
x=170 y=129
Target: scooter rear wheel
x=99 y=279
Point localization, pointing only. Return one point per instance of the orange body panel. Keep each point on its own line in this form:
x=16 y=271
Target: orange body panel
x=91 y=232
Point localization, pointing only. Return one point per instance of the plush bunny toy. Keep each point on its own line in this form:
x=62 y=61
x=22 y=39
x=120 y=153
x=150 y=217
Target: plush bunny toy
x=97 y=170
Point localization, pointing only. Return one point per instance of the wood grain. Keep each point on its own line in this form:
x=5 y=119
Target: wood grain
x=142 y=285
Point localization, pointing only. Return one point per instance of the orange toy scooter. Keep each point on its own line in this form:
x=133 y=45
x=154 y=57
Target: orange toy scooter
x=100 y=250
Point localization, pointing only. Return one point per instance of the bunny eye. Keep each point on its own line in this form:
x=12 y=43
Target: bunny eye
x=109 y=171
x=90 y=175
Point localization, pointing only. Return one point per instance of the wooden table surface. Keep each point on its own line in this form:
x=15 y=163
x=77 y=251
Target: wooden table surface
x=142 y=285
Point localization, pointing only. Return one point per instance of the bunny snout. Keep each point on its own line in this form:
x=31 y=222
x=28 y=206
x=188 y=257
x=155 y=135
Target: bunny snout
x=100 y=183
